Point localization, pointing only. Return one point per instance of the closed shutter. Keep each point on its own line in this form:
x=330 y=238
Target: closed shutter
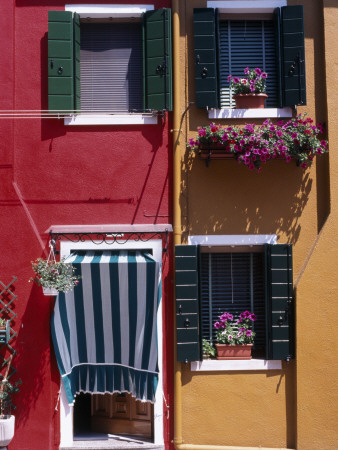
x=206 y=82
x=157 y=60
x=187 y=303
x=247 y=43
x=279 y=302
x=232 y=282
x=111 y=67
x=60 y=61
x=293 y=55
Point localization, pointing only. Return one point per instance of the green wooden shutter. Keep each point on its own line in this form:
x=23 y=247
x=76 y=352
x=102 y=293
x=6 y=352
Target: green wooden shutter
x=60 y=61
x=77 y=86
x=279 y=302
x=277 y=29
x=293 y=55
x=206 y=82
x=157 y=60
x=187 y=303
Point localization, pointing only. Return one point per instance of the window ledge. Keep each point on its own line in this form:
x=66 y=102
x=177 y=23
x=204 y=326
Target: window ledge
x=213 y=365
x=249 y=113
x=109 y=119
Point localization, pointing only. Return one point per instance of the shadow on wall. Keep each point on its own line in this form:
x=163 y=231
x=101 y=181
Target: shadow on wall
x=35 y=364
x=228 y=198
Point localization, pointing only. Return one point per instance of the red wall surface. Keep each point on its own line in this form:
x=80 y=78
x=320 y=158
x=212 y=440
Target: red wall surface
x=52 y=174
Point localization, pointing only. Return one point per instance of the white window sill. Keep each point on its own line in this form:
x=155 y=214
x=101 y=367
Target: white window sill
x=108 y=119
x=213 y=365
x=249 y=113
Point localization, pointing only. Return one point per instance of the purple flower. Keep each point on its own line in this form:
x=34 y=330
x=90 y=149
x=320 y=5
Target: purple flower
x=252 y=88
x=248 y=333
x=235 y=80
x=217 y=325
x=225 y=137
x=230 y=337
x=294 y=135
x=192 y=142
x=264 y=75
x=288 y=158
x=279 y=133
x=258 y=71
x=229 y=78
x=202 y=132
x=246 y=70
x=253 y=317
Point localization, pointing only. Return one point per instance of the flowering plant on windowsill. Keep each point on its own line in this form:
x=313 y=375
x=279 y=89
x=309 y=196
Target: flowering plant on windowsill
x=55 y=275
x=235 y=332
x=254 y=145
x=254 y=83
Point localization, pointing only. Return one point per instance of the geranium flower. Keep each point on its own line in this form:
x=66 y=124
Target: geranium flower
x=258 y=71
x=246 y=70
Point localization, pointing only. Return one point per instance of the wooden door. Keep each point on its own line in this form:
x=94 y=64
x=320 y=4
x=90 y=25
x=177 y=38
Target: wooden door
x=121 y=414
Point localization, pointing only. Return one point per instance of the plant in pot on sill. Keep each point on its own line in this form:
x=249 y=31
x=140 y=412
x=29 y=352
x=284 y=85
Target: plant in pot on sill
x=234 y=338
x=249 y=92
x=208 y=349
x=7 y=420
x=253 y=145
x=54 y=276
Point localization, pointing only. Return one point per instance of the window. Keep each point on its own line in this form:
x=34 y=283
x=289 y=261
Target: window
x=227 y=43
x=206 y=285
x=233 y=282
x=109 y=62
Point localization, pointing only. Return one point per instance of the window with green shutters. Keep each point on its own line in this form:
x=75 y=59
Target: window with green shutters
x=226 y=44
x=111 y=66
x=210 y=282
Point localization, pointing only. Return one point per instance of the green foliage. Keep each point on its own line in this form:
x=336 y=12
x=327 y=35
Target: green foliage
x=208 y=348
x=57 y=275
x=235 y=332
x=254 y=145
x=3 y=322
x=253 y=83
x=6 y=391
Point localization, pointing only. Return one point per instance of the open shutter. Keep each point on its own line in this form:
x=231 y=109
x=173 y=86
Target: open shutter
x=293 y=55
x=187 y=303
x=277 y=30
x=157 y=60
x=206 y=83
x=60 y=61
x=77 y=87
x=279 y=302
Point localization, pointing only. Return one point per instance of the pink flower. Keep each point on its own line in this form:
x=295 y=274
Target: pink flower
x=264 y=75
x=224 y=137
x=229 y=78
x=252 y=87
x=213 y=128
x=246 y=70
x=258 y=71
x=288 y=158
x=235 y=80
x=202 y=132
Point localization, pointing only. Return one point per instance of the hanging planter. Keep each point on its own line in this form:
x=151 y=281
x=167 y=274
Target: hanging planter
x=253 y=145
x=250 y=101
x=54 y=277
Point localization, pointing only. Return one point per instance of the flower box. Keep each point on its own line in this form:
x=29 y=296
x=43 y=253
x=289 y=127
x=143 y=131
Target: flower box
x=225 y=351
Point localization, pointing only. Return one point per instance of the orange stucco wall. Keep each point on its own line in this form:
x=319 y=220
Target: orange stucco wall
x=294 y=407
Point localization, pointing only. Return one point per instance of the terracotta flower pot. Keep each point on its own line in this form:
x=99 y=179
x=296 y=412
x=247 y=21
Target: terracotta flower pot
x=249 y=101
x=225 y=351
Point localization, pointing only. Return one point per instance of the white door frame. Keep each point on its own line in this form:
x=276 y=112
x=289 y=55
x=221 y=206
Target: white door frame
x=67 y=411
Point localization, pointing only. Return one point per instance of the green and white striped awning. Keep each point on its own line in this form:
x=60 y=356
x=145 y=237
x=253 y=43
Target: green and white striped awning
x=105 y=330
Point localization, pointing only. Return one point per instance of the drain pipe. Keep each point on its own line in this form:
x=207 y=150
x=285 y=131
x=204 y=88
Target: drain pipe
x=177 y=225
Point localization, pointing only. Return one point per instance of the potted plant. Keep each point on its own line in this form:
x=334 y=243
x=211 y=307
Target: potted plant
x=249 y=92
x=234 y=337
x=54 y=276
x=7 y=421
x=253 y=145
x=208 y=349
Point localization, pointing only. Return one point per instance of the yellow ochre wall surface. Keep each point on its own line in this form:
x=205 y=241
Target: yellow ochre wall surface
x=296 y=407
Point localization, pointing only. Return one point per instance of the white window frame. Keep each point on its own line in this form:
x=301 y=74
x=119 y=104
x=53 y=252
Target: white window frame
x=238 y=7
x=249 y=240
x=66 y=410
x=100 y=12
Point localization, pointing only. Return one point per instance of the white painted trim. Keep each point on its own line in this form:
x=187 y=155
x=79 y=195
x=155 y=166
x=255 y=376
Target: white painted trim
x=254 y=113
x=232 y=239
x=111 y=119
x=107 y=11
x=247 y=6
x=66 y=411
x=111 y=228
x=213 y=365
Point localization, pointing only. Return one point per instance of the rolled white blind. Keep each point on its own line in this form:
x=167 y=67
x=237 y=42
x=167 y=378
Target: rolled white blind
x=111 y=67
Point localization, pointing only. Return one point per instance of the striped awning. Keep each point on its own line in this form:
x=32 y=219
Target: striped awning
x=105 y=330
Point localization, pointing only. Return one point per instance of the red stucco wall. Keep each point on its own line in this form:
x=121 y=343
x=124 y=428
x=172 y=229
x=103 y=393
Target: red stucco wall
x=54 y=174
